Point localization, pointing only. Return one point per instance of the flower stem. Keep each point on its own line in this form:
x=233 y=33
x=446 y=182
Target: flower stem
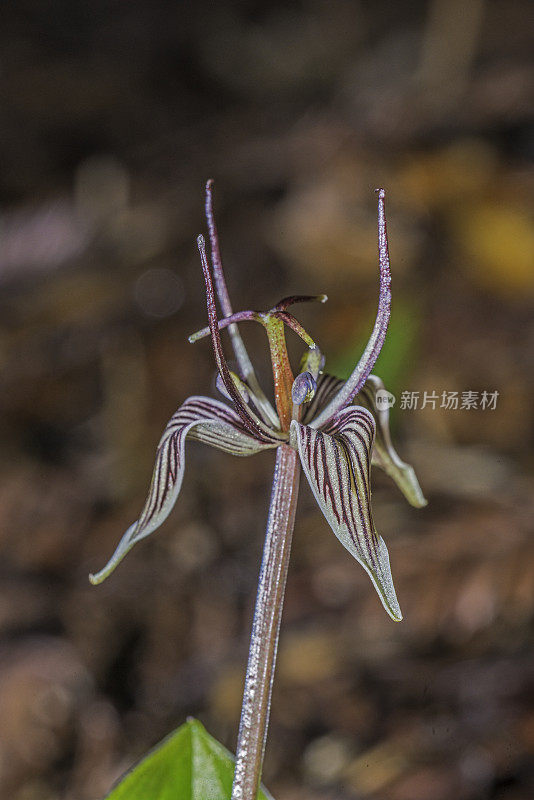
x=266 y=625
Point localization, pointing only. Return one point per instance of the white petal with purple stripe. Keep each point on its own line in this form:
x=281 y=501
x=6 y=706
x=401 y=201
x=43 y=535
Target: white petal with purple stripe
x=336 y=461
x=200 y=418
x=384 y=454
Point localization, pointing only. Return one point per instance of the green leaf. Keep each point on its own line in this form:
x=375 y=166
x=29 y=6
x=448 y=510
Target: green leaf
x=189 y=764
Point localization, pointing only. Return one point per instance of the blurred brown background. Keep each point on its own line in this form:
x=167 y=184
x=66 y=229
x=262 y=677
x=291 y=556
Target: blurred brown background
x=113 y=116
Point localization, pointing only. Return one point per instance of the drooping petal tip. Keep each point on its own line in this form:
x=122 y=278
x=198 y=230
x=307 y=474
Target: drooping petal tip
x=124 y=546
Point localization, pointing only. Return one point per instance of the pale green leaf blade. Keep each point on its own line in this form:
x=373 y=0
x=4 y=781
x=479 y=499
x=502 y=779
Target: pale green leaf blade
x=187 y=765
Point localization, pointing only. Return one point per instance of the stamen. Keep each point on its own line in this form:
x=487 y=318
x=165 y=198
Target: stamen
x=257 y=316
x=312 y=361
x=295 y=325
x=284 y=304
x=241 y=316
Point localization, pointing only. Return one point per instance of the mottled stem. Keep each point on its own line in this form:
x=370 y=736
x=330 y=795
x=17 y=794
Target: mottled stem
x=266 y=625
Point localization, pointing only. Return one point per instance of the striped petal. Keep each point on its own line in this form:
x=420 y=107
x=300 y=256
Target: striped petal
x=200 y=418
x=327 y=388
x=337 y=463
x=384 y=454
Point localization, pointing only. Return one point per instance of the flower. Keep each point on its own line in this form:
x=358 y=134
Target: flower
x=337 y=426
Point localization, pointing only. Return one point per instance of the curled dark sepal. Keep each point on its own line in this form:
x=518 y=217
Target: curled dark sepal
x=240 y=351
x=384 y=454
x=363 y=368
x=200 y=418
x=252 y=423
x=245 y=365
x=337 y=463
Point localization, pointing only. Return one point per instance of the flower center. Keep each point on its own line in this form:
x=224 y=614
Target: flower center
x=274 y=322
